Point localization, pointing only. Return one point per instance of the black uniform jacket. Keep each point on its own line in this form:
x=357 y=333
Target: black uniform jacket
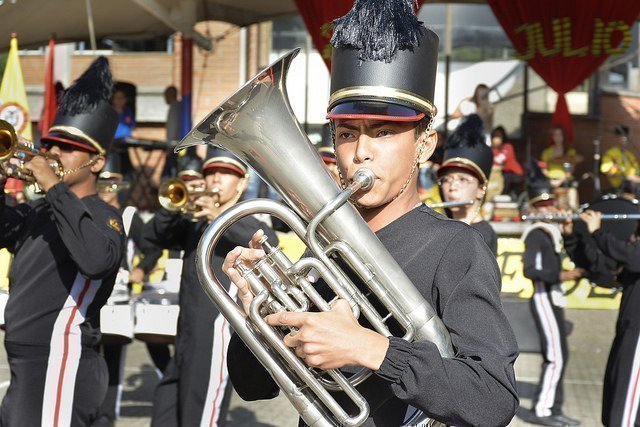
x=540 y=261
x=66 y=255
x=455 y=271
x=174 y=231
x=488 y=235
x=627 y=254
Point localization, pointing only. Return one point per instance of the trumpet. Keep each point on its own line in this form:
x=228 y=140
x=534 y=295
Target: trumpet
x=16 y=151
x=175 y=196
x=452 y=204
x=561 y=218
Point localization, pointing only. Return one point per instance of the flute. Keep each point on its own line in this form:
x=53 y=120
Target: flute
x=452 y=204
x=560 y=218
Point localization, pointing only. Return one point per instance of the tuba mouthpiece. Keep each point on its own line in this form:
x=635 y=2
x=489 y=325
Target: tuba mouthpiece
x=365 y=178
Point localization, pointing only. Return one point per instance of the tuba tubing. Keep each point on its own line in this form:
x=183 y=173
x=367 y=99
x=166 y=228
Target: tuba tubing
x=259 y=127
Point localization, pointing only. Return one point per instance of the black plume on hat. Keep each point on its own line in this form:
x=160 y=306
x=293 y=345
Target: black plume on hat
x=378 y=29
x=85 y=94
x=84 y=117
x=466 y=148
x=469 y=133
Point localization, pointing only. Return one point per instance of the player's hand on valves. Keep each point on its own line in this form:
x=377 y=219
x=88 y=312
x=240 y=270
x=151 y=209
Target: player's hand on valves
x=42 y=172
x=332 y=339
x=247 y=256
x=208 y=208
x=593 y=219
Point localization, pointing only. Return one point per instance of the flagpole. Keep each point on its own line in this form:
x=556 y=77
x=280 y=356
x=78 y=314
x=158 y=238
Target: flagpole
x=92 y=33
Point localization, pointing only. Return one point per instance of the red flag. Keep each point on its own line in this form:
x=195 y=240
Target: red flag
x=50 y=98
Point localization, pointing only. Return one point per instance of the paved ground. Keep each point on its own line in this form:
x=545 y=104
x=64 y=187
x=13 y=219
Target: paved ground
x=589 y=345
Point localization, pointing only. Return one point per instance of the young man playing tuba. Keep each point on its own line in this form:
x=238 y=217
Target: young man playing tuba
x=381 y=110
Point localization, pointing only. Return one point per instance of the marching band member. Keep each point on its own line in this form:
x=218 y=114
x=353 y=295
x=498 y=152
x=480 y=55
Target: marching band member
x=192 y=391
x=328 y=156
x=620 y=165
x=110 y=182
x=381 y=108
x=464 y=175
x=621 y=395
x=67 y=248
x=542 y=264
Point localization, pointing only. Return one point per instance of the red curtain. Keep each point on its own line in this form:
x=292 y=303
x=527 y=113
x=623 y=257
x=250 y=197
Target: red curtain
x=565 y=41
x=318 y=16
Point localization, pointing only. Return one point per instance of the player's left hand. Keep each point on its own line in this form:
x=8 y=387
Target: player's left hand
x=593 y=219
x=332 y=339
x=41 y=169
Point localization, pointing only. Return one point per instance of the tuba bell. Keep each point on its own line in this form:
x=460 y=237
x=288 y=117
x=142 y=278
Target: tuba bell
x=16 y=151
x=259 y=127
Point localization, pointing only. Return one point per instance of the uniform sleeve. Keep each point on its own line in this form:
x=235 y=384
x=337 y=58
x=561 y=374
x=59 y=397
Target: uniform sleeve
x=166 y=230
x=12 y=221
x=94 y=241
x=150 y=252
x=249 y=378
x=536 y=245
x=625 y=253
x=240 y=234
x=477 y=386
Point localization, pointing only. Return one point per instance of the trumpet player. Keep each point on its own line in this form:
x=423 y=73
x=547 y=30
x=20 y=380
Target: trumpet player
x=192 y=391
x=542 y=264
x=110 y=183
x=67 y=248
x=464 y=175
x=381 y=110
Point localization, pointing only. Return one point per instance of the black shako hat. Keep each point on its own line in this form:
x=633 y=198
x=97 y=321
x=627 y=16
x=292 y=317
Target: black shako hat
x=84 y=117
x=384 y=63
x=221 y=158
x=538 y=186
x=112 y=169
x=189 y=166
x=466 y=149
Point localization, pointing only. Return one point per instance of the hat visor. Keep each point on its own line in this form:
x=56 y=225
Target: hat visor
x=374 y=110
x=64 y=139
x=221 y=165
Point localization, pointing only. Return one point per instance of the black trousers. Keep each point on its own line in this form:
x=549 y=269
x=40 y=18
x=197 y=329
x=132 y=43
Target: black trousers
x=73 y=392
x=115 y=356
x=194 y=390
x=621 y=394
x=550 y=320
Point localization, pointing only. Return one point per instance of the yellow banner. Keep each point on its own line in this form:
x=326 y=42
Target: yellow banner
x=579 y=294
x=14 y=107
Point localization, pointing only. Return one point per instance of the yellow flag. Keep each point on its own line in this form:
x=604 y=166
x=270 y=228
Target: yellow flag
x=14 y=107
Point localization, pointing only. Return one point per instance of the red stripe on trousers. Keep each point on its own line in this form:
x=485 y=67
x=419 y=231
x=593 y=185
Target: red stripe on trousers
x=213 y=412
x=66 y=349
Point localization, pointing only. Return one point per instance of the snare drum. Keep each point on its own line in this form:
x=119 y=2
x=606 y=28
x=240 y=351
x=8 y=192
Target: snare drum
x=156 y=316
x=116 y=323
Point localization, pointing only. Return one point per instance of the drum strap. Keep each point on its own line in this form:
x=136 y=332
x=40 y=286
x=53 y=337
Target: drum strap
x=551 y=230
x=127 y=218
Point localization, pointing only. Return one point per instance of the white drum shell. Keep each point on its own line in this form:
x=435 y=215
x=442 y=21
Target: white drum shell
x=116 y=324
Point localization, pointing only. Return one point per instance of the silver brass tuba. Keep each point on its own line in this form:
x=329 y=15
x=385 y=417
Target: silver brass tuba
x=259 y=127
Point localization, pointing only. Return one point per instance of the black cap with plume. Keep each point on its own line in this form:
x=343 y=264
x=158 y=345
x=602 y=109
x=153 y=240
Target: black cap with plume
x=383 y=64
x=538 y=186
x=466 y=148
x=84 y=117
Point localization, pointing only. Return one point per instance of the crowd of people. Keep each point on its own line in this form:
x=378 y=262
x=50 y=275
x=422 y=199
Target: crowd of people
x=73 y=254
